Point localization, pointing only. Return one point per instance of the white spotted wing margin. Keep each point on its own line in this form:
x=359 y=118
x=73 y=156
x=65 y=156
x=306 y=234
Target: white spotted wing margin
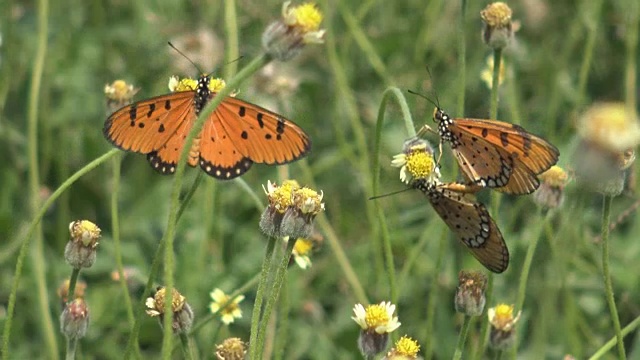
x=470 y=222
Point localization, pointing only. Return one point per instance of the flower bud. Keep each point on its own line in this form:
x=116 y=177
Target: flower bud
x=74 y=320
x=470 y=294
x=497 y=31
x=80 y=251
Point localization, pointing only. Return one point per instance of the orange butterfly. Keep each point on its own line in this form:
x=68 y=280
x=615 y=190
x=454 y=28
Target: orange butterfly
x=496 y=154
x=469 y=220
x=236 y=135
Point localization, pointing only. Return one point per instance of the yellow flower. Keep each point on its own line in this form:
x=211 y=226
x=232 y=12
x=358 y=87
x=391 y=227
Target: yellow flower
x=550 y=194
x=416 y=162
x=498 y=29
x=281 y=197
x=308 y=201
x=86 y=232
x=230 y=309
x=501 y=317
x=377 y=317
x=611 y=126
x=301 y=251
x=231 y=349
x=300 y=25
x=155 y=304
x=404 y=349
x=119 y=91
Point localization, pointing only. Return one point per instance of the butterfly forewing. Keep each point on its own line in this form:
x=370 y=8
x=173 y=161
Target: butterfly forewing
x=471 y=223
x=148 y=124
x=496 y=154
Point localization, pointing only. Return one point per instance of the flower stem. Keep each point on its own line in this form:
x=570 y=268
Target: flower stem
x=462 y=338
x=71 y=349
x=606 y=218
x=280 y=275
x=614 y=340
x=462 y=59
x=493 y=114
x=73 y=280
x=257 y=306
x=186 y=348
x=26 y=241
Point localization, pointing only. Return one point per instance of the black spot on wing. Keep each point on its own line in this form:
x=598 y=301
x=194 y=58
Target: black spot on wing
x=226 y=173
x=159 y=165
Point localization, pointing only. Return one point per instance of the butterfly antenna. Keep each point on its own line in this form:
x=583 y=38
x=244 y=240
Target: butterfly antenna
x=434 y=92
x=186 y=57
x=389 y=194
x=436 y=103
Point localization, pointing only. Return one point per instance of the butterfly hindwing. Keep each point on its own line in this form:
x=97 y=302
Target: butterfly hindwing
x=471 y=223
x=219 y=156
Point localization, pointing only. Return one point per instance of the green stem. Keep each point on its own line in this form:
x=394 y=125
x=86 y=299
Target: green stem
x=587 y=53
x=386 y=238
x=73 y=280
x=169 y=234
x=281 y=339
x=462 y=338
x=26 y=241
x=257 y=306
x=493 y=114
x=71 y=349
x=462 y=58
x=280 y=275
x=231 y=45
x=433 y=296
x=484 y=331
x=115 y=234
x=39 y=261
x=153 y=271
x=606 y=219
x=631 y=44
x=186 y=348
x=614 y=340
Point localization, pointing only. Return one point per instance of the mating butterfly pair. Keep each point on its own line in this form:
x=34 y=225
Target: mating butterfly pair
x=491 y=154
x=236 y=135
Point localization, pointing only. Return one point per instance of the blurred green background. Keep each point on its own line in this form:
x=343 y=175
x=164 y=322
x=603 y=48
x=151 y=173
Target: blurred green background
x=565 y=56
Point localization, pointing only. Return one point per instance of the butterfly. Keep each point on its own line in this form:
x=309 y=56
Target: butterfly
x=236 y=135
x=469 y=220
x=496 y=154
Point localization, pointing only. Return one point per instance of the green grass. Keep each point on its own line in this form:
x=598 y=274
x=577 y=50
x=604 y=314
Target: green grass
x=565 y=57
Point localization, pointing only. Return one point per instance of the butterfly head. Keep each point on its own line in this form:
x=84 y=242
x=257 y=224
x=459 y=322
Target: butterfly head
x=444 y=121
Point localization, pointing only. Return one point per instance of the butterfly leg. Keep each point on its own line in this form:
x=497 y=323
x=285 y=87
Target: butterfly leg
x=461 y=188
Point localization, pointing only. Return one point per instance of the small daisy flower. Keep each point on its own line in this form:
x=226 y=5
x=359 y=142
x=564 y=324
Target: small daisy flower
x=498 y=28
x=291 y=210
x=550 y=194
x=376 y=322
x=470 y=295
x=502 y=326
x=376 y=317
x=300 y=25
x=118 y=94
x=74 y=320
x=487 y=73
x=230 y=309
x=416 y=162
x=182 y=313
x=404 y=349
x=301 y=250
x=80 y=251
x=608 y=132
x=231 y=349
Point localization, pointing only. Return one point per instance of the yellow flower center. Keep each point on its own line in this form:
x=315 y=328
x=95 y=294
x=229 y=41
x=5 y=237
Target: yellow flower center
x=303 y=246
x=176 y=304
x=503 y=315
x=376 y=315
x=420 y=163
x=497 y=14
x=216 y=85
x=406 y=346
x=308 y=201
x=282 y=197
x=306 y=16
x=555 y=176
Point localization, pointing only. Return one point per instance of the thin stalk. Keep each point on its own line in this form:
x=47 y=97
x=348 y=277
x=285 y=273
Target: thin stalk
x=631 y=44
x=115 y=234
x=493 y=113
x=39 y=260
x=462 y=58
x=231 y=32
x=186 y=348
x=587 y=53
x=6 y=334
x=73 y=280
x=280 y=275
x=169 y=234
x=606 y=218
x=614 y=340
x=433 y=297
x=462 y=338
x=72 y=344
x=257 y=306
x=386 y=238
x=281 y=339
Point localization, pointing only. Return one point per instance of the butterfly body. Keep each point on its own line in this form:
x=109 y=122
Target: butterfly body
x=497 y=154
x=469 y=220
x=236 y=135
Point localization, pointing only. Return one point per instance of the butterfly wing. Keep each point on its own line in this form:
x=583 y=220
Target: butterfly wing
x=500 y=155
x=471 y=223
x=219 y=156
x=147 y=125
x=262 y=135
